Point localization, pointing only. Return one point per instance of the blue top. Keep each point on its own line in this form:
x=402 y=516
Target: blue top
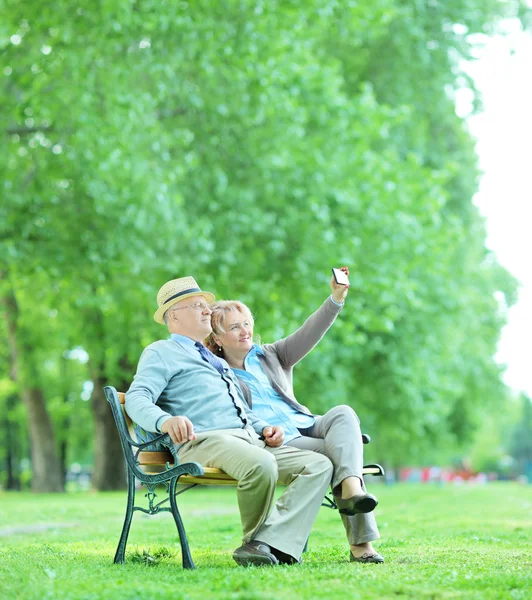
x=173 y=379
x=268 y=405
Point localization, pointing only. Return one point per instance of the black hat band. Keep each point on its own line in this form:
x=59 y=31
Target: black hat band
x=182 y=294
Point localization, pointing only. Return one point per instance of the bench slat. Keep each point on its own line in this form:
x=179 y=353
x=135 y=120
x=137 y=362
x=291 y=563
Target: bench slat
x=186 y=479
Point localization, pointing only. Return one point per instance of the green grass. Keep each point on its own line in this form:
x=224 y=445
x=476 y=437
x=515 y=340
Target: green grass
x=439 y=542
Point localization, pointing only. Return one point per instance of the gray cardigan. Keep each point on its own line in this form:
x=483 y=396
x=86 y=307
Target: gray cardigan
x=280 y=357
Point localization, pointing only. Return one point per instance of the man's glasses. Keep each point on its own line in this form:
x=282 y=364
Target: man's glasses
x=196 y=306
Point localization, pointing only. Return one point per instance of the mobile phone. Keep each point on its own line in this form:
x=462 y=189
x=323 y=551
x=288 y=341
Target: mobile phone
x=340 y=277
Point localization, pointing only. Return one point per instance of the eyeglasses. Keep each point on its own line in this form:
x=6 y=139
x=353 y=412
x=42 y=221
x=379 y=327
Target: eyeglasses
x=196 y=306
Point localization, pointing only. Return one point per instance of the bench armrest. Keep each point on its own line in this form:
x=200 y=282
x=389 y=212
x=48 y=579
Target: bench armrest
x=159 y=438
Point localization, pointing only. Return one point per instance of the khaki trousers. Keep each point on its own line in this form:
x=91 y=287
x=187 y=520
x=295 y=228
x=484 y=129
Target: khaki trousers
x=285 y=524
x=337 y=435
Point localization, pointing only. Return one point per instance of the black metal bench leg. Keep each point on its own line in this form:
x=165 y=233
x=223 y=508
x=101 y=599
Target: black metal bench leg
x=121 y=550
x=188 y=563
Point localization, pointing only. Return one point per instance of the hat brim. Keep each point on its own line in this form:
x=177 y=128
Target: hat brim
x=158 y=317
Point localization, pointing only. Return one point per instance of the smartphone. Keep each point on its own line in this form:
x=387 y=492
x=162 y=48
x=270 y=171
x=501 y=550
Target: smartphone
x=340 y=277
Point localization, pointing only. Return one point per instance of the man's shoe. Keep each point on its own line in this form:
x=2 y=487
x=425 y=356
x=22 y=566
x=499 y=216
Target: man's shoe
x=254 y=553
x=363 y=503
x=367 y=557
x=285 y=559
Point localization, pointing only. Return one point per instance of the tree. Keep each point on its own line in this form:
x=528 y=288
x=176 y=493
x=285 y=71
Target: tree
x=254 y=147
x=521 y=439
x=24 y=371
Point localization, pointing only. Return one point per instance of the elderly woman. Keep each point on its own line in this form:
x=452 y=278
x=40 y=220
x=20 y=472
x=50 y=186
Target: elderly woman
x=265 y=375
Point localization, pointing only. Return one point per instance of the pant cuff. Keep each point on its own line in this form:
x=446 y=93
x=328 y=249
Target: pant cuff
x=368 y=538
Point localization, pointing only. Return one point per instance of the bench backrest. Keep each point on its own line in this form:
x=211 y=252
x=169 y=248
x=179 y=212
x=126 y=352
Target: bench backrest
x=147 y=461
x=129 y=422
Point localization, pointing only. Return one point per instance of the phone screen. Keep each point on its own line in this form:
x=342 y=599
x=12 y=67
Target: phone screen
x=340 y=277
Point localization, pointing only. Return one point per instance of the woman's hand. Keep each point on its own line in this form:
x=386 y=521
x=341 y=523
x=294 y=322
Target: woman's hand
x=338 y=290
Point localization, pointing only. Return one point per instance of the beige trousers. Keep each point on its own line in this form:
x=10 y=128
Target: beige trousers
x=337 y=435
x=285 y=524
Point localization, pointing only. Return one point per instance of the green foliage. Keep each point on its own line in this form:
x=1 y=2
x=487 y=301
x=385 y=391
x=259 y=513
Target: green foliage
x=488 y=453
x=254 y=146
x=521 y=441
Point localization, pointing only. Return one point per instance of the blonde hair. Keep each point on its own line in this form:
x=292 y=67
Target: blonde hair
x=220 y=310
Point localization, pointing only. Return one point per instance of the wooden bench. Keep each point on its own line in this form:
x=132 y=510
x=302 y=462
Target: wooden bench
x=153 y=468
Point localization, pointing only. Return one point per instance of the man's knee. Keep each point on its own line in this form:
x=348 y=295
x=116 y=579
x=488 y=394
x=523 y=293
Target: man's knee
x=264 y=468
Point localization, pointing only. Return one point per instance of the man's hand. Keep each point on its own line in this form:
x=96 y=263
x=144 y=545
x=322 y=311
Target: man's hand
x=339 y=291
x=180 y=429
x=273 y=436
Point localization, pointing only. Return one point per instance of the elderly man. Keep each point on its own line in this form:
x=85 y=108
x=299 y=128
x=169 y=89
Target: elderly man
x=182 y=389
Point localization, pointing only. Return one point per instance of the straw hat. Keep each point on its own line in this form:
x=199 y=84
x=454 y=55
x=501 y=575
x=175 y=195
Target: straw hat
x=175 y=291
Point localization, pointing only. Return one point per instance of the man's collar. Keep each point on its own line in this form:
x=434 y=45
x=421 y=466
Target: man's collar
x=183 y=339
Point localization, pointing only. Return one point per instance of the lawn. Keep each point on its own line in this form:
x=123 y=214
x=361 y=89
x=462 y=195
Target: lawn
x=439 y=542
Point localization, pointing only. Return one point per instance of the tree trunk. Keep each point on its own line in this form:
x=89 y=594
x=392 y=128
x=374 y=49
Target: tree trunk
x=12 y=477
x=66 y=423
x=109 y=471
x=11 y=431
x=46 y=468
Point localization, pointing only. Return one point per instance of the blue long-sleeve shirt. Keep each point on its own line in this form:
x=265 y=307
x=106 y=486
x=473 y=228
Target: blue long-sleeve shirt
x=172 y=379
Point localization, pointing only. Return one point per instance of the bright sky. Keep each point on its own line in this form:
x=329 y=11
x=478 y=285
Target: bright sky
x=504 y=133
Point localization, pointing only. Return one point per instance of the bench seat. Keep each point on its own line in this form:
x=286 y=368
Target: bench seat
x=156 y=461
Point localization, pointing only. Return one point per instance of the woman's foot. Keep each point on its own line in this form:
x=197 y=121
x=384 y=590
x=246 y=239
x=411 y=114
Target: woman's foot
x=363 y=503
x=352 y=486
x=365 y=553
x=354 y=498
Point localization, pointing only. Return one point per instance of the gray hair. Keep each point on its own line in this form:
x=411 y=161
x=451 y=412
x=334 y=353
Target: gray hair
x=165 y=316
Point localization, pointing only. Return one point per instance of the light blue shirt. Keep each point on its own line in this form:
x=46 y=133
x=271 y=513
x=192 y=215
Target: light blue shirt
x=268 y=405
x=334 y=301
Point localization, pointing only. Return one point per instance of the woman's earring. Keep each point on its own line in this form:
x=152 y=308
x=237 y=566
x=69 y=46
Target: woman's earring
x=219 y=348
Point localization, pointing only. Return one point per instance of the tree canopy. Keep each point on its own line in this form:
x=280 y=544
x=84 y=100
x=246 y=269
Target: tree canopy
x=254 y=146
